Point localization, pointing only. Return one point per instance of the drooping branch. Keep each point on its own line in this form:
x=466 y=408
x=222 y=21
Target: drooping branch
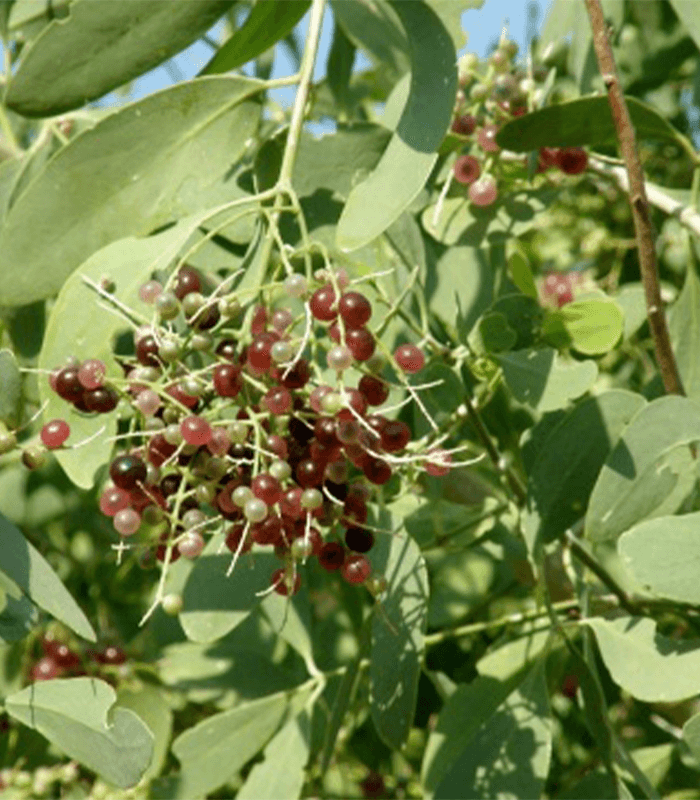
x=638 y=201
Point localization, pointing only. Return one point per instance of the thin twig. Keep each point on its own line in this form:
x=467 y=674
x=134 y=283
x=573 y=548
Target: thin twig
x=638 y=201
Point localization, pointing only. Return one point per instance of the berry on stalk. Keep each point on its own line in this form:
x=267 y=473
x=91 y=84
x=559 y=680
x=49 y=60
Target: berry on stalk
x=91 y=373
x=196 y=431
x=356 y=569
x=322 y=304
x=355 y=309
x=466 y=169
x=409 y=358
x=55 y=433
x=127 y=471
x=483 y=192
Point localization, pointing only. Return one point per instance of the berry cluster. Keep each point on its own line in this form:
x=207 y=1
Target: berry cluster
x=231 y=426
x=58 y=659
x=487 y=98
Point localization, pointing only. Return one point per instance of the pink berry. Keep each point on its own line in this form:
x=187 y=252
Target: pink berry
x=356 y=569
x=409 y=358
x=484 y=191
x=487 y=139
x=46 y=669
x=466 y=169
x=196 y=431
x=438 y=463
x=112 y=500
x=55 y=433
x=277 y=400
x=282 y=318
x=127 y=521
x=191 y=544
x=149 y=291
x=219 y=443
x=91 y=373
x=147 y=402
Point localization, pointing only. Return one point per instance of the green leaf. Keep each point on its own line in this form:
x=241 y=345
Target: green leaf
x=651 y=667
x=91 y=334
x=457 y=221
x=586 y=121
x=397 y=636
x=267 y=23
x=282 y=773
x=684 y=328
x=101 y=46
x=215 y=604
x=631 y=300
x=649 y=472
x=492 y=334
x=542 y=380
x=492 y=739
x=5 y=9
x=341 y=58
x=10 y=389
x=439 y=401
x=505 y=661
x=21 y=562
x=103 y=186
x=459 y=581
x=663 y=554
x=691 y=735
x=686 y=14
x=292 y=620
x=592 y=327
x=521 y=274
x=569 y=462
x=77 y=715
x=373 y=26
x=214 y=750
x=150 y=704
x=404 y=168
x=18 y=616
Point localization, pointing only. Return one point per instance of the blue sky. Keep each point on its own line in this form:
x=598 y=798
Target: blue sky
x=482 y=26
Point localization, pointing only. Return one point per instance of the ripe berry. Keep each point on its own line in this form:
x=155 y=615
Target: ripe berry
x=195 y=431
x=359 y=539
x=290 y=504
x=233 y=539
x=284 y=583
x=259 y=353
x=127 y=471
x=409 y=358
x=68 y=385
x=277 y=400
x=266 y=488
x=484 y=191
x=322 y=303
x=147 y=351
x=127 y=521
x=487 y=139
x=176 y=392
x=376 y=470
x=259 y=321
x=466 y=169
x=91 y=373
x=55 y=433
x=356 y=569
x=226 y=349
x=297 y=377
x=282 y=318
x=355 y=309
x=360 y=343
x=332 y=556
x=269 y=531
x=374 y=390
x=547 y=157
x=111 y=654
x=159 y=450
x=101 y=400
x=464 y=125
x=438 y=463
x=309 y=473
x=395 y=436
x=354 y=510
x=572 y=160
x=227 y=380
x=112 y=500
x=188 y=280
x=45 y=669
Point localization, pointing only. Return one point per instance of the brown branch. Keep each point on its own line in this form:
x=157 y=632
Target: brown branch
x=638 y=201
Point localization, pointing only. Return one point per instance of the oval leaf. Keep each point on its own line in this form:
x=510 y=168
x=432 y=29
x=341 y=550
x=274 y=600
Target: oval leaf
x=663 y=555
x=650 y=470
x=153 y=161
x=592 y=327
x=101 y=46
x=684 y=328
x=10 y=389
x=77 y=715
x=651 y=667
x=266 y=24
x=379 y=200
x=398 y=629
x=540 y=379
x=23 y=564
x=586 y=121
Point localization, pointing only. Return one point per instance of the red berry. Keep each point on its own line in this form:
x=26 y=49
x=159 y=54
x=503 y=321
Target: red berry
x=233 y=538
x=360 y=343
x=309 y=473
x=290 y=504
x=259 y=321
x=487 y=139
x=374 y=390
x=297 y=377
x=438 y=463
x=101 y=400
x=356 y=569
x=159 y=450
x=127 y=472
x=226 y=349
x=572 y=160
x=355 y=309
x=277 y=400
x=376 y=470
x=227 y=380
x=466 y=169
x=409 y=358
x=483 y=192
x=332 y=556
x=395 y=436
x=546 y=158
x=464 y=125
x=45 y=669
x=147 y=351
x=258 y=354
x=195 y=431
x=188 y=280
x=283 y=583
x=359 y=539
x=176 y=392
x=55 y=433
x=269 y=531
x=68 y=385
x=354 y=510
x=322 y=303
x=266 y=488
x=64 y=656
x=276 y=444
x=111 y=654
x=113 y=500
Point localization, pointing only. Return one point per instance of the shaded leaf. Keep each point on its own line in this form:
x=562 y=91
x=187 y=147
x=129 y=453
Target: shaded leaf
x=77 y=715
x=101 y=46
x=146 y=164
x=684 y=328
x=650 y=470
x=687 y=15
x=586 y=121
x=439 y=401
x=400 y=175
x=10 y=389
x=18 y=616
x=542 y=380
x=22 y=563
x=267 y=23
x=341 y=58
x=591 y=327
x=397 y=636
x=492 y=334
x=663 y=555
x=691 y=735
x=149 y=703
x=521 y=274
x=651 y=667
x=569 y=461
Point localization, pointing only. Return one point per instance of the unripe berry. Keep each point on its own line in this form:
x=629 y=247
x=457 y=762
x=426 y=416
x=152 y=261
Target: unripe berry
x=484 y=191
x=172 y=604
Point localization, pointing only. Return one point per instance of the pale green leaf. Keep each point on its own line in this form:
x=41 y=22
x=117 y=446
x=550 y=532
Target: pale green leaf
x=591 y=327
x=151 y=705
x=684 y=328
x=10 y=389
